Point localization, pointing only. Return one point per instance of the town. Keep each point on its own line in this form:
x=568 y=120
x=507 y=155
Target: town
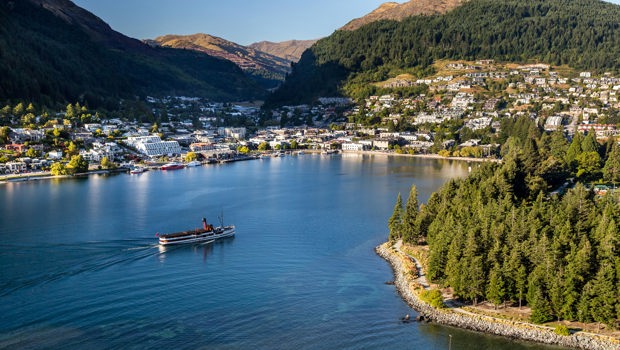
x=456 y=112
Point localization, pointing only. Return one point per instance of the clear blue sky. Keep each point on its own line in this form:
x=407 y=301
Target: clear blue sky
x=240 y=21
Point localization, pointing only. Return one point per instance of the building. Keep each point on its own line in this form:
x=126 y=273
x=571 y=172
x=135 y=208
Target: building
x=235 y=133
x=553 y=123
x=153 y=146
x=353 y=146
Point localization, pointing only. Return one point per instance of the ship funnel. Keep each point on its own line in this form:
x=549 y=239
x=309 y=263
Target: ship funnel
x=204 y=223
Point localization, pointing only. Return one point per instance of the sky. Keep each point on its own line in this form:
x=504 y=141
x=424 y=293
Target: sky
x=241 y=21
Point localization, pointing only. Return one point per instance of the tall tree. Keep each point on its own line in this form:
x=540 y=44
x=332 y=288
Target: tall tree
x=77 y=165
x=589 y=143
x=496 y=290
x=409 y=230
x=604 y=297
x=396 y=220
x=574 y=150
x=611 y=170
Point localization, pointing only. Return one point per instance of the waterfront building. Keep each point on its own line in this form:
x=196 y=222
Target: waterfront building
x=353 y=146
x=153 y=146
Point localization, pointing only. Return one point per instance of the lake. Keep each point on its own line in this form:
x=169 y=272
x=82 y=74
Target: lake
x=81 y=267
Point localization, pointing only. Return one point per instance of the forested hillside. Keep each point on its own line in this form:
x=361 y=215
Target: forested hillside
x=583 y=34
x=49 y=59
x=509 y=234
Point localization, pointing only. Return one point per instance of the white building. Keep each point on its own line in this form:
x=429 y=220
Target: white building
x=553 y=122
x=353 y=146
x=153 y=146
x=55 y=155
x=235 y=133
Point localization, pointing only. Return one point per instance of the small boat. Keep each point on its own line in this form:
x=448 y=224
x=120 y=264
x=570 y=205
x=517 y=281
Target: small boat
x=172 y=166
x=137 y=170
x=200 y=235
x=193 y=163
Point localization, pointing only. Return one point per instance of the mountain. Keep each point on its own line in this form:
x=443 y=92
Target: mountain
x=52 y=51
x=267 y=69
x=582 y=34
x=398 y=12
x=290 y=50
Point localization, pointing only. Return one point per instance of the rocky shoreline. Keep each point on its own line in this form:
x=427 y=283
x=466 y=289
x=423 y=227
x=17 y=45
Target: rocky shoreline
x=486 y=324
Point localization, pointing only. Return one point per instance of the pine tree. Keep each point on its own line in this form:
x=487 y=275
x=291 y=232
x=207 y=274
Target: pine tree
x=496 y=289
x=409 y=230
x=604 y=298
x=521 y=283
x=396 y=220
x=589 y=143
x=18 y=110
x=574 y=150
x=541 y=309
x=70 y=112
x=558 y=145
x=611 y=170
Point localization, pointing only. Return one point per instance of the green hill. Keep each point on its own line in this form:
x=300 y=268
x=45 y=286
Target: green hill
x=583 y=34
x=53 y=51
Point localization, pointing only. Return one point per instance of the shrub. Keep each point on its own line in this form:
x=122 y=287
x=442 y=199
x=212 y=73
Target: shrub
x=433 y=298
x=561 y=330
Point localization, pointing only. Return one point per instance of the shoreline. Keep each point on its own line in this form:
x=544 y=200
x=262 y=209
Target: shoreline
x=40 y=176
x=424 y=156
x=457 y=317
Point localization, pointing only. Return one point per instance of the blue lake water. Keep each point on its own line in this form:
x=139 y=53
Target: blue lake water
x=80 y=266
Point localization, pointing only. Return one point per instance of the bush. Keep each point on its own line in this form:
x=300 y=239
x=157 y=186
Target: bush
x=433 y=298
x=561 y=330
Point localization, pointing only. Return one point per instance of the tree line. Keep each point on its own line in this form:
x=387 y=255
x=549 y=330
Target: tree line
x=528 y=230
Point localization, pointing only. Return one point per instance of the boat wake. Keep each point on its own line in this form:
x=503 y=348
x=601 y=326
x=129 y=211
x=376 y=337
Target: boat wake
x=68 y=260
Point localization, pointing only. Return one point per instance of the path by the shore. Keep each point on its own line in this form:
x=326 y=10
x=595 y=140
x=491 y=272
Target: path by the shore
x=408 y=286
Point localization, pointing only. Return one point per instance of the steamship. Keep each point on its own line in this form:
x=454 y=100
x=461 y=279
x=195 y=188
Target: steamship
x=208 y=233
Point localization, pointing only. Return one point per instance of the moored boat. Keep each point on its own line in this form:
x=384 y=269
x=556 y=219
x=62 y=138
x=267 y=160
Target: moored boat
x=172 y=166
x=193 y=163
x=200 y=235
x=137 y=170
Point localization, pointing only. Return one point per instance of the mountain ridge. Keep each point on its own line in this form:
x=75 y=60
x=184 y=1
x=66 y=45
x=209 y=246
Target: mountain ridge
x=399 y=11
x=52 y=51
x=267 y=69
x=290 y=50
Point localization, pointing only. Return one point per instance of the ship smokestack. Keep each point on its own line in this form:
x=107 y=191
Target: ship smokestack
x=204 y=223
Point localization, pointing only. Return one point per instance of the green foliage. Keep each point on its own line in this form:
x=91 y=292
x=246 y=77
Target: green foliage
x=499 y=234
x=581 y=34
x=191 y=156
x=409 y=229
x=243 y=149
x=58 y=168
x=107 y=163
x=561 y=330
x=263 y=146
x=32 y=153
x=4 y=135
x=611 y=170
x=77 y=165
x=433 y=297
x=396 y=220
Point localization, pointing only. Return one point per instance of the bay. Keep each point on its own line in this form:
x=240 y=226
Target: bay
x=81 y=267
